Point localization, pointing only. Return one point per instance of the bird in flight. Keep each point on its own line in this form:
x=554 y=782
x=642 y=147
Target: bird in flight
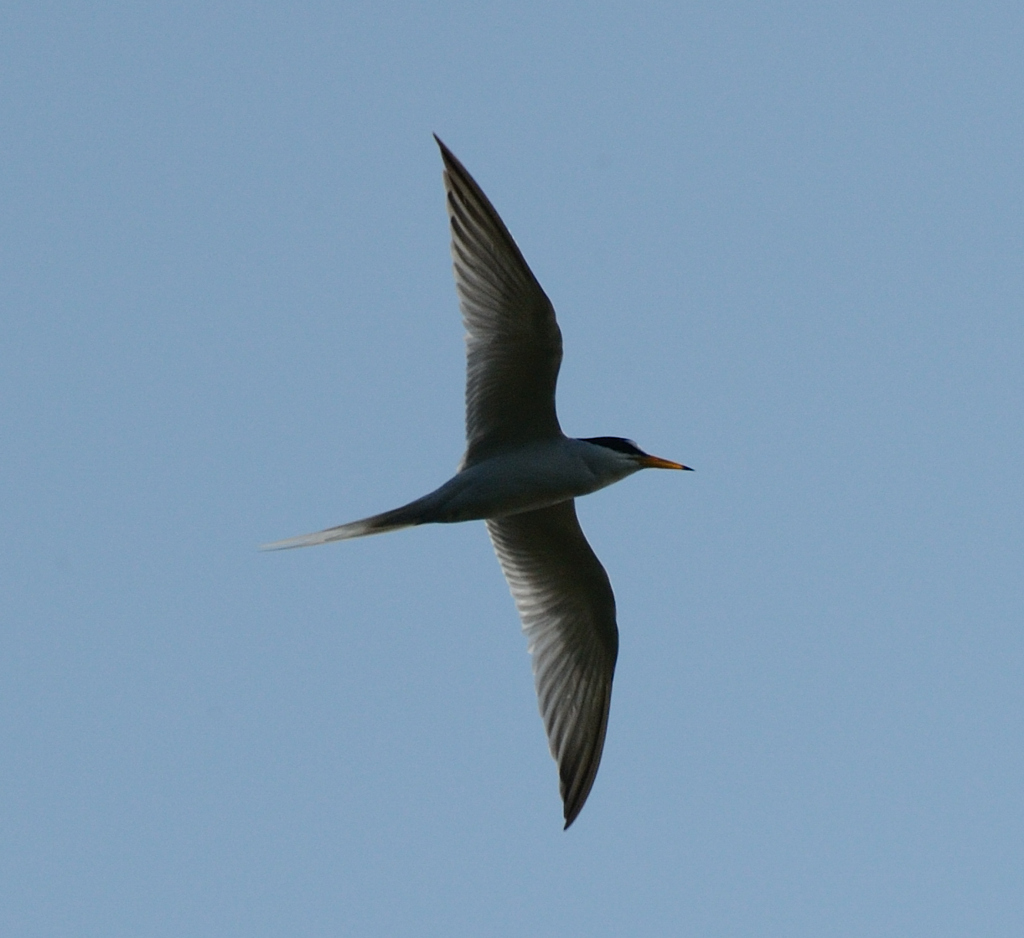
x=520 y=474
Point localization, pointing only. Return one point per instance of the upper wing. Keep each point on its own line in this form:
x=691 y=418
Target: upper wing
x=513 y=345
x=568 y=611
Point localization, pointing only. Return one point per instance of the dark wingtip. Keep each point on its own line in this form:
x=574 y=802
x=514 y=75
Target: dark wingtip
x=573 y=804
x=453 y=166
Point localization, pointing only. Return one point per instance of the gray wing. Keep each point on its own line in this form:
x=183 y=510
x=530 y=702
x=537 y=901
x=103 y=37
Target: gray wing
x=568 y=611
x=513 y=344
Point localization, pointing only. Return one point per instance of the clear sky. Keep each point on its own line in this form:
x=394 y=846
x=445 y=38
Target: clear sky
x=784 y=241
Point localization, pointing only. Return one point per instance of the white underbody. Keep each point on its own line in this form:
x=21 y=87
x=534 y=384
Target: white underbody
x=527 y=478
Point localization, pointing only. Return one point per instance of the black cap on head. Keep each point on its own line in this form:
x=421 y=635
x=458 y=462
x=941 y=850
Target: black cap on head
x=616 y=443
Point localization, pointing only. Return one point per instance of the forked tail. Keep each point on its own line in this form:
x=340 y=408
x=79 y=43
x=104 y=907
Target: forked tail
x=405 y=517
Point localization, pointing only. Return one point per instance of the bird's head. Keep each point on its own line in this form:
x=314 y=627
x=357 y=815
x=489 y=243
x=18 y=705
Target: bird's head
x=633 y=454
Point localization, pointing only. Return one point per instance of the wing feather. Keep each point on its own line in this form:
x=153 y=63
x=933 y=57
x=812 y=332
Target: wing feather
x=513 y=343
x=567 y=608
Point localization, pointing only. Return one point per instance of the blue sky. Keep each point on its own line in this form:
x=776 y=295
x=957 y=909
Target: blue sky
x=784 y=242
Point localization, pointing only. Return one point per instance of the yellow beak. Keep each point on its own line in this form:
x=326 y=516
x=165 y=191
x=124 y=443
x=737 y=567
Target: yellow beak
x=656 y=462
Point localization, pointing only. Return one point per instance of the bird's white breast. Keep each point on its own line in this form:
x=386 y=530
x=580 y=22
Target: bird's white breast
x=526 y=478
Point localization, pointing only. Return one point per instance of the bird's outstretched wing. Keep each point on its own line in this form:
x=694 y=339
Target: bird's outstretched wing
x=568 y=611
x=513 y=344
